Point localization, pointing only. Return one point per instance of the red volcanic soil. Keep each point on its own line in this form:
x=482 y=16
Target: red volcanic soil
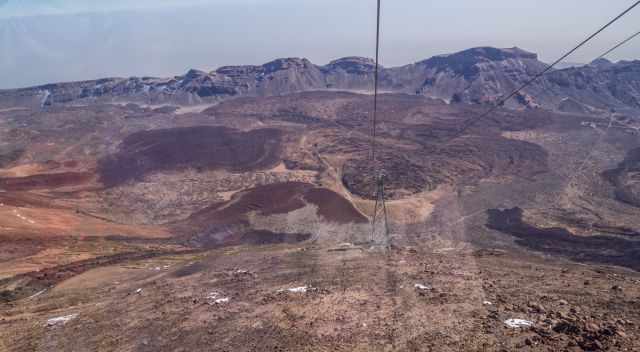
x=227 y=218
x=334 y=207
x=26 y=199
x=278 y=198
x=48 y=277
x=281 y=198
x=45 y=181
x=201 y=147
x=70 y=163
x=12 y=249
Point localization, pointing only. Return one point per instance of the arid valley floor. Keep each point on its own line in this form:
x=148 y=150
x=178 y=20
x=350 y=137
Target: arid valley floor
x=244 y=226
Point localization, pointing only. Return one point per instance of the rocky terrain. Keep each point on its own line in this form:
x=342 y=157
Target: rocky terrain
x=477 y=75
x=244 y=225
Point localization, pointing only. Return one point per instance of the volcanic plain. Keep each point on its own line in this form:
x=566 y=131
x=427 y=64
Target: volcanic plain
x=244 y=226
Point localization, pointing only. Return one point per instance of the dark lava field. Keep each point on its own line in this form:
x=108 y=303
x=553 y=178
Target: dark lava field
x=244 y=226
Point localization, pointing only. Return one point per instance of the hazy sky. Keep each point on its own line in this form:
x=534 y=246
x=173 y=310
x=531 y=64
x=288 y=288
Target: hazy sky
x=43 y=41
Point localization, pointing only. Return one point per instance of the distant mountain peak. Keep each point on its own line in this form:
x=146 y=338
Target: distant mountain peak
x=465 y=63
x=521 y=53
x=493 y=54
x=193 y=73
x=353 y=59
x=286 y=63
x=601 y=62
x=353 y=64
x=477 y=75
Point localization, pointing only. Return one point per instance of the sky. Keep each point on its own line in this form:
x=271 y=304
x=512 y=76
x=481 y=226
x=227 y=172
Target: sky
x=46 y=41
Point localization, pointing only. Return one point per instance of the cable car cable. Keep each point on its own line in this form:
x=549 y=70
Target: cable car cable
x=502 y=101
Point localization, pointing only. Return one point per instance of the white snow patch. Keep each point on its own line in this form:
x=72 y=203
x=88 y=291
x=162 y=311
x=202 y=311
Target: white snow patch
x=216 y=299
x=423 y=287
x=518 y=323
x=213 y=295
x=61 y=320
x=301 y=289
x=588 y=124
x=37 y=294
x=22 y=217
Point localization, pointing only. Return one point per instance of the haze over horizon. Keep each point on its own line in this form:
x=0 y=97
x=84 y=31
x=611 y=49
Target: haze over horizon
x=46 y=41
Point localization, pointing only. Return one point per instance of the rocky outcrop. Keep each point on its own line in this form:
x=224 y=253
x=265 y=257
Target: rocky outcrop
x=599 y=86
x=353 y=73
x=478 y=75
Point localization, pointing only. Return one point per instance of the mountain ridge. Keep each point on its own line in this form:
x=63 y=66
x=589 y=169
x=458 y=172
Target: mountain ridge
x=478 y=75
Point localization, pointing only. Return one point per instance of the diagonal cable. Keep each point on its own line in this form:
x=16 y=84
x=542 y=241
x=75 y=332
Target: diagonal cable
x=503 y=100
x=572 y=176
x=619 y=45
